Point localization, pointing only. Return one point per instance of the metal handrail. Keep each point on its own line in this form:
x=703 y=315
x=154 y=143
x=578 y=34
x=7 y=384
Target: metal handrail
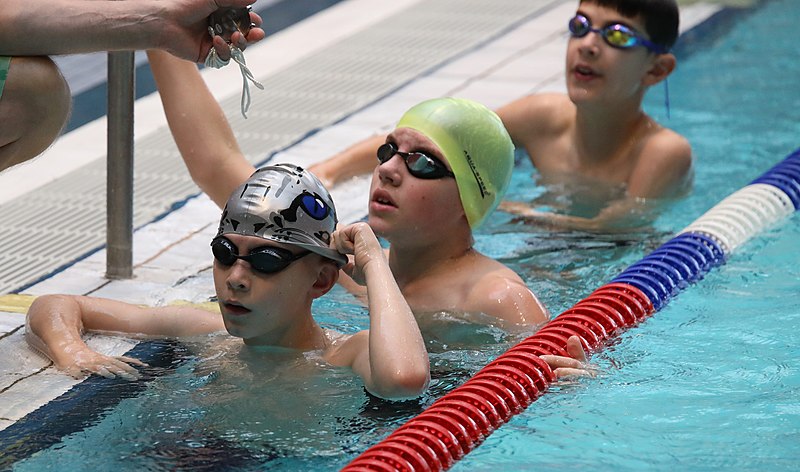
x=119 y=177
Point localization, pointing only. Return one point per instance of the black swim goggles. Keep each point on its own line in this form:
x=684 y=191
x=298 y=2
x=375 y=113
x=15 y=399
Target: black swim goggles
x=615 y=35
x=420 y=165
x=264 y=259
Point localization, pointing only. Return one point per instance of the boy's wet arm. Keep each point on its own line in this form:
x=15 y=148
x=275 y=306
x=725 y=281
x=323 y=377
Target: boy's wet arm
x=103 y=314
x=355 y=353
x=199 y=126
x=393 y=361
x=55 y=324
x=626 y=213
x=358 y=159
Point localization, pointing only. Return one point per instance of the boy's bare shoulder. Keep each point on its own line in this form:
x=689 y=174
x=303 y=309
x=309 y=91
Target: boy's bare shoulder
x=500 y=292
x=669 y=143
x=541 y=112
x=664 y=167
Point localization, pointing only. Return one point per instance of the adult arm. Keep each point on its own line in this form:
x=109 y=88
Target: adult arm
x=199 y=126
x=391 y=357
x=30 y=28
x=358 y=159
x=55 y=324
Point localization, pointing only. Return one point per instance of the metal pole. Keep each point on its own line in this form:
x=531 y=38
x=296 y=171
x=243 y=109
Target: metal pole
x=119 y=179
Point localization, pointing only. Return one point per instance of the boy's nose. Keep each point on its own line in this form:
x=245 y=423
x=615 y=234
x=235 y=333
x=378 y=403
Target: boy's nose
x=239 y=276
x=589 y=45
x=390 y=171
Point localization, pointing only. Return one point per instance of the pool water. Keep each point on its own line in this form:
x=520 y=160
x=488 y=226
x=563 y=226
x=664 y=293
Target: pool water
x=709 y=382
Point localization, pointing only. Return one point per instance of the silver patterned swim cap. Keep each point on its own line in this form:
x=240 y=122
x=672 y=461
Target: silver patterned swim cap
x=286 y=204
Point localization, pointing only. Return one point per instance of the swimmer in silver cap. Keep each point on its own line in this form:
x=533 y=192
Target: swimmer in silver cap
x=285 y=204
x=276 y=251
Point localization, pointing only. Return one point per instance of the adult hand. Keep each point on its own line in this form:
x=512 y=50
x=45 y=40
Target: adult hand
x=186 y=32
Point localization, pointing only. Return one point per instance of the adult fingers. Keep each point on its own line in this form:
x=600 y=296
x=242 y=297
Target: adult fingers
x=233 y=3
x=222 y=48
x=256 y=19
x=253 y=36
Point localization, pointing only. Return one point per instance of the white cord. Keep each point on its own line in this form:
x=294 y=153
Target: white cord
x=213 y=60
x=238 y=56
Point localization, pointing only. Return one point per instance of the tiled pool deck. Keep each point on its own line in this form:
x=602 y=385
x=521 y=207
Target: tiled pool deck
x=331 y=80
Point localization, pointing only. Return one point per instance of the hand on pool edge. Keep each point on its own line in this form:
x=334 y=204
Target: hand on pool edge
x=110 y=367
x=577 y=365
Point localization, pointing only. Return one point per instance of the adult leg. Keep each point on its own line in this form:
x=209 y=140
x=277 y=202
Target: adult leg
x=34 y=106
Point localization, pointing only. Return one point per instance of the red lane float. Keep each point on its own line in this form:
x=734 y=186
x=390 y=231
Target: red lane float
x=460 y=420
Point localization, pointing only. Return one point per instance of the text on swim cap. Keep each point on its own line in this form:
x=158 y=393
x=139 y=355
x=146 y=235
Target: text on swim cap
x=477 y=175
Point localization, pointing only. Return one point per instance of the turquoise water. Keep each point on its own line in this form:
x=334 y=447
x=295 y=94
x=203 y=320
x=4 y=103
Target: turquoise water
x=710 y=382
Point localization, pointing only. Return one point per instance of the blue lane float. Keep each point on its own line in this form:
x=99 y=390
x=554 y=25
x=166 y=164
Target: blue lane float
x=459 y=421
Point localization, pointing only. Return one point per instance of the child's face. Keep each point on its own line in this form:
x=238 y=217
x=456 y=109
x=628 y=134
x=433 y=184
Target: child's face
x=262 y=308
x=600 y=73
x=410 y=208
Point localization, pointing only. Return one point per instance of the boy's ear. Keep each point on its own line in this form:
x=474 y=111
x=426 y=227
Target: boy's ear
x=326 y=278
x=662 y=67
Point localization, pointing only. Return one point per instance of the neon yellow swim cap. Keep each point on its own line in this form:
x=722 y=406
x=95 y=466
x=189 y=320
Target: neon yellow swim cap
x=475 y=144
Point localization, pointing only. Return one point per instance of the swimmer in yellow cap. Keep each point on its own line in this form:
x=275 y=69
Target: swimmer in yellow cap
x=442 y=171
x=474 y=143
